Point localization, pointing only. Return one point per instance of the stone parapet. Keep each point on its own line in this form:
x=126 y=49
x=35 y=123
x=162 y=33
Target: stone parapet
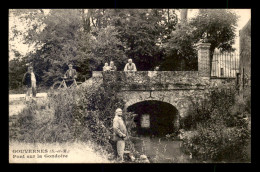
x=155 y=80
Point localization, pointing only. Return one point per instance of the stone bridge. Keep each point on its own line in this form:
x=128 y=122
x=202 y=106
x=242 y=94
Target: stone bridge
x=178 y=89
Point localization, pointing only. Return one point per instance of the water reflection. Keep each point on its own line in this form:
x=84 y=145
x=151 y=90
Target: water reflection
x=160 y=150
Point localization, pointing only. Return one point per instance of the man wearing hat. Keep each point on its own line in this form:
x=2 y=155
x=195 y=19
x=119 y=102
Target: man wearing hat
x=70 y=75
x=29 y=80
x=120 y=133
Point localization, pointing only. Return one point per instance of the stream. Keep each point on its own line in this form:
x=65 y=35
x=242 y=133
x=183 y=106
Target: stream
x=160 y=150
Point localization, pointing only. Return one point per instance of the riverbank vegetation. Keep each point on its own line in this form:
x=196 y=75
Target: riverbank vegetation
x=222 y=124
x=71 y=115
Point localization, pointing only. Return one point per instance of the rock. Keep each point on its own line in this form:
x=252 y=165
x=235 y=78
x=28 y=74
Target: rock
x=144 y=159
x=132 y=157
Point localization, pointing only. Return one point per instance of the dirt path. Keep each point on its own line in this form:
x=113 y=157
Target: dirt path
x=17 y=102
x=77 y=152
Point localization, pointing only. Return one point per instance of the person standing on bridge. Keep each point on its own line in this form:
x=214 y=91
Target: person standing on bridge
x=112 y=66
x=29 y=79
x=130 y=66
x=106 y=67
x=120 y=134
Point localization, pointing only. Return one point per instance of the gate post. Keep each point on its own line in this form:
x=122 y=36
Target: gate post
x=203 y=59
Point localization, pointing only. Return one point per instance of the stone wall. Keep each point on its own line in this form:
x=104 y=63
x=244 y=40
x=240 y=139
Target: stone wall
x=220 y=83
x=179 y=88
x=180 y=99
x=156 y=80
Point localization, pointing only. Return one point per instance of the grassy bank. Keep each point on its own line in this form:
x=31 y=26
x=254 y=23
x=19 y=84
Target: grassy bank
x=68 y=116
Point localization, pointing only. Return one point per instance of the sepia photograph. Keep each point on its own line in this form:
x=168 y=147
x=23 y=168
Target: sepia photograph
x=129 y=86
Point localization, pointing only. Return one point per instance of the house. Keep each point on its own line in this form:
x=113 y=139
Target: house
x=245 y=58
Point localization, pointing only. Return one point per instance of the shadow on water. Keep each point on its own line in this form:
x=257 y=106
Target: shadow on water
x=154 y=120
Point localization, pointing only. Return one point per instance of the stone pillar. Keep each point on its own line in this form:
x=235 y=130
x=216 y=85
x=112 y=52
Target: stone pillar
x=203 y=59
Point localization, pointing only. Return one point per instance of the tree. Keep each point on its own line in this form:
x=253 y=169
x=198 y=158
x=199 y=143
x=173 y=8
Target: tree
x=180 y=49
x=140 y=30
x=17 y=68
x=71 y=36
x=61 y=37
x=216 y=26
x=106 y=47
x=60 y=45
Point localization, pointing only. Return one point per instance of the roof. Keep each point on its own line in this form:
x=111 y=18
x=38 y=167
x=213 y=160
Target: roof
x=247 y=26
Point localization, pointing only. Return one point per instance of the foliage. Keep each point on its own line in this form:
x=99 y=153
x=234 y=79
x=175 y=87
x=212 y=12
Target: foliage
x=145 y=31
x=180 y=51
x=83 y=114
x=56 y=38
x=215 y=142
x=17 y=69
x=223 y=128
x=217 y=27
x=88 y=38
x=214 y=26
x=140 y=31
x=106 y=47
x=220 y=101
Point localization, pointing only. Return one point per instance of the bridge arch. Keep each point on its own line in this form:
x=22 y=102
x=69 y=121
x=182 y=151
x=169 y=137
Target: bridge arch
x=132 y=97
x=134 y=101
x=154 y=117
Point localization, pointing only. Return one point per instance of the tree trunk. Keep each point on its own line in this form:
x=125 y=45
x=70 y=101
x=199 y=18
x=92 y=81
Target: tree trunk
x=168 y=12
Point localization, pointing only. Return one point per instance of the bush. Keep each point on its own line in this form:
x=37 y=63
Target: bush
x=222 y=126
x=219 y=101
x=217 y=143
x=83 y=114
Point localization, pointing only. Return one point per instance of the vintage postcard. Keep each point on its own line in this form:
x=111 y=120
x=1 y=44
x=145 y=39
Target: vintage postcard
x=129 y=86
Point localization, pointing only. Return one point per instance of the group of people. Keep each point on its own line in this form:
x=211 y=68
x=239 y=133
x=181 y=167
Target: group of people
x=119 y=127
x=111 y=67
x=129 y=67
x=30 y=78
